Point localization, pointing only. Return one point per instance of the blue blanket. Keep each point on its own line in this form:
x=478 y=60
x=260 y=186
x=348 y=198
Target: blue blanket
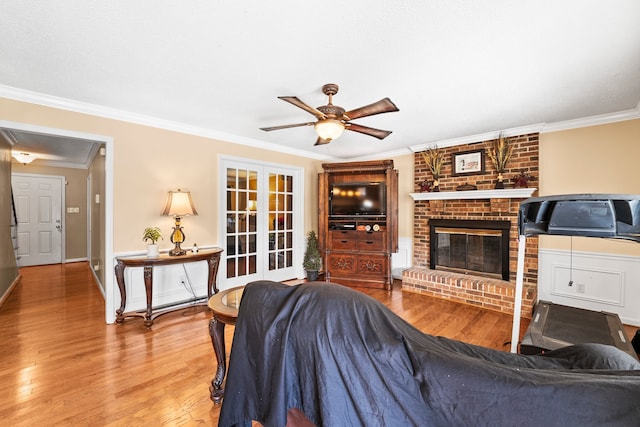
x=344 y=359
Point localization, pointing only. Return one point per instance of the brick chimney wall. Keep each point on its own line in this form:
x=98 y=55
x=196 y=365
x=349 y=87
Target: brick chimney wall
x=489 y=293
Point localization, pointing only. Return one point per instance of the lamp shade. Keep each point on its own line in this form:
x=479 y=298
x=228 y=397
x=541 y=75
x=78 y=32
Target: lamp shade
x=179 y=204
x=329 y=129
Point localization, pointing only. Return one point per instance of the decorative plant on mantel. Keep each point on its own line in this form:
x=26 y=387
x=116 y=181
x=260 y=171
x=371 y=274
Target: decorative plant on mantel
x=434 y=158
x=500 y=152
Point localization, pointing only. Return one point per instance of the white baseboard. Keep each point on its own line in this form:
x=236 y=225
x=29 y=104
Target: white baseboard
x=10 y=289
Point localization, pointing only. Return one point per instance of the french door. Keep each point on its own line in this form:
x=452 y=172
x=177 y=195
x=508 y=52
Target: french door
x=262 y=222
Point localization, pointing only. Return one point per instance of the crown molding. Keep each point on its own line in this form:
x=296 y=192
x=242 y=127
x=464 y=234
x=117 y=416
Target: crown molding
x=470 y=139
x=593 y=120
x=140 y=119
x=540 y=127
x=379 y=156
x=8 y=136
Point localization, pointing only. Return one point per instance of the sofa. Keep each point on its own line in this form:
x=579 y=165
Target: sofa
x=327 y=355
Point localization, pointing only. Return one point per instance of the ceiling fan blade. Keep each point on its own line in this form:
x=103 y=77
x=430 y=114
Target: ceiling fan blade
x=295 y=101
x=288 y=126
x=383 y=106
x=377 y=133
x=321 y=141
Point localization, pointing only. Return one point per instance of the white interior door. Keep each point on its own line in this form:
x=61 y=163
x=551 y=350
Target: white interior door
x=262 y=227
x=39 y=201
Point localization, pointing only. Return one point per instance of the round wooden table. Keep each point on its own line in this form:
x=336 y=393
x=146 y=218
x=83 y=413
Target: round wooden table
x=224 y=306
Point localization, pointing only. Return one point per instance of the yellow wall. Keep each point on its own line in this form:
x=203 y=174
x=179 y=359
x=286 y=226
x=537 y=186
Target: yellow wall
x=8 y=266
x=404 y=165
x=149 y=162
x=97 y=173
x=594 y=159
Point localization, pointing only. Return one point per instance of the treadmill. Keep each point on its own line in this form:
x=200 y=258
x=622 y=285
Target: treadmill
x=553 y=326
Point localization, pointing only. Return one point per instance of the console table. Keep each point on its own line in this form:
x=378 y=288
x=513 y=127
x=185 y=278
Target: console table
x=212 y=256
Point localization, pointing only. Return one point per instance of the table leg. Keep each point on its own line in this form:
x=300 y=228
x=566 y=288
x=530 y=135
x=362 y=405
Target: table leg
x=216 y=330
x=123 y=292
x=212 y=284
x=148 y=284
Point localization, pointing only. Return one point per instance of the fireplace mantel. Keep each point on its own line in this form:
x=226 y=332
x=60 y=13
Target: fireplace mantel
x=507 y=193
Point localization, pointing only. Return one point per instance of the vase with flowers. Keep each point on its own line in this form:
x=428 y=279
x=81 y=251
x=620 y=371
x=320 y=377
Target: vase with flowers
x=434 y=158
x=500 y=152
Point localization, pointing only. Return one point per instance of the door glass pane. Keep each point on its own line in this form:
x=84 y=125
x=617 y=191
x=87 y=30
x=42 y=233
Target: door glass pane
x=280 y=221
x=242 y=197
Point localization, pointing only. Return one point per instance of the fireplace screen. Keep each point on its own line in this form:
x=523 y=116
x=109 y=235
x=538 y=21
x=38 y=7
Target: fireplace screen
x=483 y=251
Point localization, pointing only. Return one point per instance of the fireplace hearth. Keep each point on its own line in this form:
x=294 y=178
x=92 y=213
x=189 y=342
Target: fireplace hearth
x=474 y=247
x=481 y=265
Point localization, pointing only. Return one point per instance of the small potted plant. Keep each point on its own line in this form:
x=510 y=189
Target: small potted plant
x=312 y=262
x=152 y=234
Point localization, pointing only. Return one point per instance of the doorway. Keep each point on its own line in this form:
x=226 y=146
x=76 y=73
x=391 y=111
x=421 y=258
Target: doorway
x=262 y=221
x=103 y=237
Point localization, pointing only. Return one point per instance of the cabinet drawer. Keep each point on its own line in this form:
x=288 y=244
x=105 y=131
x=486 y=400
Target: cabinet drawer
x=372 y=265
x=371 y=242
x=340 y=264
x=343 y=240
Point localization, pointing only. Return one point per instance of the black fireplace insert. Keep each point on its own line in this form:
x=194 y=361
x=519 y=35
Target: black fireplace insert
x=470 y=247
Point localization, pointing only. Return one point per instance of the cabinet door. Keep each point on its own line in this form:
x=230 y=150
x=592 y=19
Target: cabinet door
x=342 y=264
x=372 y=265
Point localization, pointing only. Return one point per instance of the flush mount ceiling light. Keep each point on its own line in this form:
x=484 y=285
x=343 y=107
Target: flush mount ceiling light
x=332 y=120
x=24 y=158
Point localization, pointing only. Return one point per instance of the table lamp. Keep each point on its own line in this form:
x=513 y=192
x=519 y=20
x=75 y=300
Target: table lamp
x=179 y=204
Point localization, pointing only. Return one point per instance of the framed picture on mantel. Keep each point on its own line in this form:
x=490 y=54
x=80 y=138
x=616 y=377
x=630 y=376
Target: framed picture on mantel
x=467 y=162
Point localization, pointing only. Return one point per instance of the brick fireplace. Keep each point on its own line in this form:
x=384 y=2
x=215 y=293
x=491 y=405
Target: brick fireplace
x=493 y=290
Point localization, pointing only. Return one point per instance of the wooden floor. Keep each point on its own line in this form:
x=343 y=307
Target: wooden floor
x=60 y=364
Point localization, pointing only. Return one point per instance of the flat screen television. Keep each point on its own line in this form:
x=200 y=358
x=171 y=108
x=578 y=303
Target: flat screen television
x=358 y=198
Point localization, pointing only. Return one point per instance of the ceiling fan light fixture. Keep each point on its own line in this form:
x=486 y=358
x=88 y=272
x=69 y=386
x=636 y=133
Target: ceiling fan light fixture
x=329 y=129
x=332 y=120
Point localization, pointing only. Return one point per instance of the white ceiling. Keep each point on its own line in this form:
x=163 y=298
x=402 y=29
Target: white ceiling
x=453 y=68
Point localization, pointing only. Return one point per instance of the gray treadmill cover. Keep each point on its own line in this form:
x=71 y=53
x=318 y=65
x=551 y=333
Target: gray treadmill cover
x=614 y=216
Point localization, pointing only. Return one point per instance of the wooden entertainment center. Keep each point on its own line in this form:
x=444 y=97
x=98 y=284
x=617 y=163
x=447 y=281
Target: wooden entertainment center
x=357 y=241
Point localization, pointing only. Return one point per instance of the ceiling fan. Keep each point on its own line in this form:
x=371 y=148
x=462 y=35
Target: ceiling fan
x=333 y=120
